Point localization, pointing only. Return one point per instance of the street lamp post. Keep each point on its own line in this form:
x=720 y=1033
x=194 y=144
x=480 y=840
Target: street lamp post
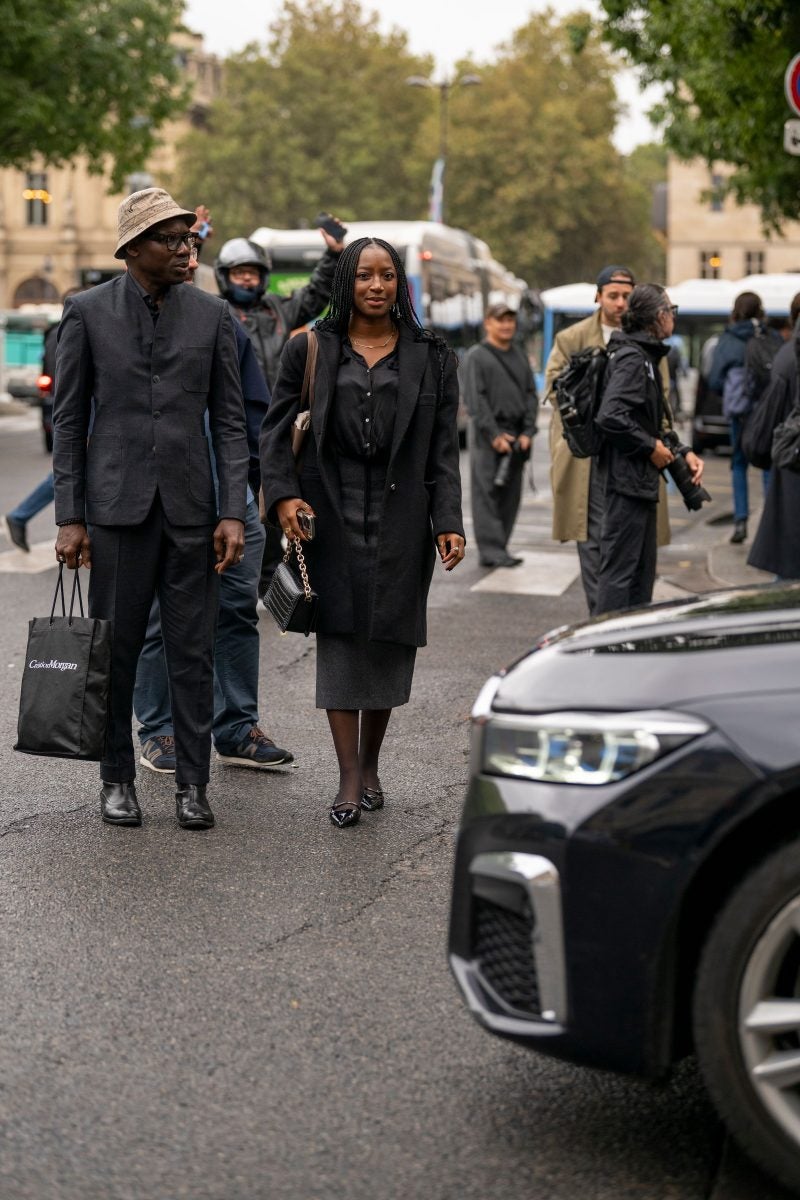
x=443 y=87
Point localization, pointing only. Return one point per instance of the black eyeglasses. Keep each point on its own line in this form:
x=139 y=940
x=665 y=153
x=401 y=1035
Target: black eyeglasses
x=672 y=308
x=173 y=241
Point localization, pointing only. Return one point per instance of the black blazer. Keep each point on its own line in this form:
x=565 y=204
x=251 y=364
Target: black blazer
x=422 y=496
x=144 y=390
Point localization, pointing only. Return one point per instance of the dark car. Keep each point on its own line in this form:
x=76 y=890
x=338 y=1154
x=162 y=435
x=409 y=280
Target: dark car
x=627 y=880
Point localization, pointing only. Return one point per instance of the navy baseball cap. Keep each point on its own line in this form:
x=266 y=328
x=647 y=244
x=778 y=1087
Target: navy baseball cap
x=615 y=275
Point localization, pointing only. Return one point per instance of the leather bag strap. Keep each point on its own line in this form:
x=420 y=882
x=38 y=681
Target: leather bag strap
x=310 y=373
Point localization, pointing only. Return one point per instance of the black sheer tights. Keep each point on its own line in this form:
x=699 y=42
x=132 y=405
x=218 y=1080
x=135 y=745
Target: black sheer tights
x=357 y=755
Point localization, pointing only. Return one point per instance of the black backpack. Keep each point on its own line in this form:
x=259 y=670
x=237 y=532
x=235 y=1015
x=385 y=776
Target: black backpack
x=759 y=356
x=578 y=390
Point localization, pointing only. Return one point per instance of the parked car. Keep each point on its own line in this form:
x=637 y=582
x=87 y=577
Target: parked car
x=627 y=879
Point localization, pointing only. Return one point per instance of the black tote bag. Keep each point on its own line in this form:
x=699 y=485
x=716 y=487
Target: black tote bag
x=63 y=705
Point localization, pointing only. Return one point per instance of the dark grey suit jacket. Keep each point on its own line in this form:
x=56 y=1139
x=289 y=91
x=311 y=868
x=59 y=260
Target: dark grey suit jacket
x=144 y=390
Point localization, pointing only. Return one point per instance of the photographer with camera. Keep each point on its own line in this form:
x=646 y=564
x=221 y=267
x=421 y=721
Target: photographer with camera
x=501 y=398
x=637 y=446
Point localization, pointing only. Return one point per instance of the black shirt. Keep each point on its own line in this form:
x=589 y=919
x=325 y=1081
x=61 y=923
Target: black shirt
x=364 y=406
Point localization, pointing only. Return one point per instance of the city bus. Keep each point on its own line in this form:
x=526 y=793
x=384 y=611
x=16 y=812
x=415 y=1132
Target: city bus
x=452 y=275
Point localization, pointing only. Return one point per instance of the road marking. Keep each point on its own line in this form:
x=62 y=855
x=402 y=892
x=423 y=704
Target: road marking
x=541 y=573
x=17 y=562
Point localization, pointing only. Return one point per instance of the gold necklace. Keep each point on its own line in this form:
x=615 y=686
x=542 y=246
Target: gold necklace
x=369 y=346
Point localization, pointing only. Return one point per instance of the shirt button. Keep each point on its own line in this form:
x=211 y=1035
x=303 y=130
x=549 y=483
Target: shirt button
x=366 y=420
x=369 y=393
x=156 y=415
x=156 y=379
x=392 y=487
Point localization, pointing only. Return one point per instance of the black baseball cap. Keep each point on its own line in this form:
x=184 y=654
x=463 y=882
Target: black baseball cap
x=615 y=275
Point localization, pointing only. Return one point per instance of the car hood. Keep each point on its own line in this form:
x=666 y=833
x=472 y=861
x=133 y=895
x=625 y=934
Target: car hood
x=718 y=644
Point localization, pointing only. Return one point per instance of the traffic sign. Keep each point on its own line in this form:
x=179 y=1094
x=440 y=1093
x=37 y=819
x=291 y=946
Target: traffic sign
x=791 y=136
x=791 y=82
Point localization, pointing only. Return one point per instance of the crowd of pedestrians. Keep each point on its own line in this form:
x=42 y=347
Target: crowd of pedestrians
x=177 y=478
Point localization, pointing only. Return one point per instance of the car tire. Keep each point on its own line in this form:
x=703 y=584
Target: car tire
x=747 y=1014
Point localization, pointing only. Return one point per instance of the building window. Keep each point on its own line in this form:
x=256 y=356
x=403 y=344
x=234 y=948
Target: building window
x=754 y=262
x=710 y=263
x=36 y=197
x=716 y=193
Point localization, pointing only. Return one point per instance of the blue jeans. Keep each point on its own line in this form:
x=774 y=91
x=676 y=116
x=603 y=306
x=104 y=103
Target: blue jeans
x=39 y=498
x=235 y=654
x=741 y=499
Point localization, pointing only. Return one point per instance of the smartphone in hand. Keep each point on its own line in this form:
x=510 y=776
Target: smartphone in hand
x=307 y=523
x=325 y=221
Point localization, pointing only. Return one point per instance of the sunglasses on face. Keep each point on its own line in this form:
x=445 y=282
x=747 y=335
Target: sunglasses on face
x=173 y=241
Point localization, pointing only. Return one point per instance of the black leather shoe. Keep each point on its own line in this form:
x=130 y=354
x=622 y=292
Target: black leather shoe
x=344 y=813
x=118 y=804
x=16 y=531
x=191 y=807
x=739 y=532
x=372 y=799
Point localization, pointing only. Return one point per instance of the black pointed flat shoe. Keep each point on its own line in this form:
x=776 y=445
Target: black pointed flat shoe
x=372 y=799
x=344 y=813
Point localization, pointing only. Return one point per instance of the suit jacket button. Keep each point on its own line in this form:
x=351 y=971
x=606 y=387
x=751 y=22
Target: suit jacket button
x=156 y=415
x=156 y=379
x=392 y=487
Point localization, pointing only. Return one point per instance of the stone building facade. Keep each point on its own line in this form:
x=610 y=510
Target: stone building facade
x=58 y=225
x=712 y=238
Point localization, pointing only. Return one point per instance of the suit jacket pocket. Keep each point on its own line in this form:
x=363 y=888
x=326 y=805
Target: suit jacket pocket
x=426 y=398
x=196 y=368
x=201 y=485
x=103 y=468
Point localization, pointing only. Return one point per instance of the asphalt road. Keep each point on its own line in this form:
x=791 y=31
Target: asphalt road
x=264 y=1012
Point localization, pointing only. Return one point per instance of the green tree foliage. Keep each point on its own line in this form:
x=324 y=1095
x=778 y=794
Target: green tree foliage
x=721 y=63
x=322 y=120
x=533 y=169
x=92 y=77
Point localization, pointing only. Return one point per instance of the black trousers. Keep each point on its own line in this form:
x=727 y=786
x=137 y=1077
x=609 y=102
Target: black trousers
x=628 y=553
x=131 y=564
x=589 y=551
x=494 y=510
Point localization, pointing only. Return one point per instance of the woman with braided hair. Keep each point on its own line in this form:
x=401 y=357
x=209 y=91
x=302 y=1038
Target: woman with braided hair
x=379 y=472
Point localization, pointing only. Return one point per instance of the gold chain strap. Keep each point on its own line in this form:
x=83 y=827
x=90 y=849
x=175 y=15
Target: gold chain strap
x=296 y=545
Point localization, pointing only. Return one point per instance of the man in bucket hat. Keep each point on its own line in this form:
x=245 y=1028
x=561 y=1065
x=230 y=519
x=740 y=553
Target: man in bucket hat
x=140 y=362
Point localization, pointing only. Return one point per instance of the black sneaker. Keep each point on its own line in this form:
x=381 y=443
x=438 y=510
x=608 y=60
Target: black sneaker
x=158 y=754
x=16 y=531
x=257 y=750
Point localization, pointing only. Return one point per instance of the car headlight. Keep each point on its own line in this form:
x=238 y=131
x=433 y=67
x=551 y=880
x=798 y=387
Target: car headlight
x=582 y=748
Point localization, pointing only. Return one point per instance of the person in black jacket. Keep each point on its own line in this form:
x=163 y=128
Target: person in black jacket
x=776 y=546
x=242 y=269
x=379 y=471
x=631 y=417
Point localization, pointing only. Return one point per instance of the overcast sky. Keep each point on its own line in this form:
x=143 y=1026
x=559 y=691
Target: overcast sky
x=447 y=29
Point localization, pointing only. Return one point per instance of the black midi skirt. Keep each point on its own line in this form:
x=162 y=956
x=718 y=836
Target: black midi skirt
x=352 y=671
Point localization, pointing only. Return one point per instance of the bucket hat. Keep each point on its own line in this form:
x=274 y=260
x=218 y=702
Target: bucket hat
x=142 y=210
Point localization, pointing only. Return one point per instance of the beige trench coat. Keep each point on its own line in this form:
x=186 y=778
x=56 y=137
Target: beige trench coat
x=569 y=476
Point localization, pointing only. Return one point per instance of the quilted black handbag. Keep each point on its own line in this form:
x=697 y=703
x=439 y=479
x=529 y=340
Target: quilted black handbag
x=292 y=601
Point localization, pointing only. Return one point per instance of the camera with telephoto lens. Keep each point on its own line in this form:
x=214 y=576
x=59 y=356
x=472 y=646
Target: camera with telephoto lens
x=506 y=461
x=694 y=494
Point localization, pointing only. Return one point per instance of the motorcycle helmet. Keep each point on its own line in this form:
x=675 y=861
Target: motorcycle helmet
x=240 y=252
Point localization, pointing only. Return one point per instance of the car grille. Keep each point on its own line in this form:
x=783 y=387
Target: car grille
x=504 y=954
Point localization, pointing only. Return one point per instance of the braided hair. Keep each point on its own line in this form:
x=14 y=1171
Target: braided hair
x=401 y=313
